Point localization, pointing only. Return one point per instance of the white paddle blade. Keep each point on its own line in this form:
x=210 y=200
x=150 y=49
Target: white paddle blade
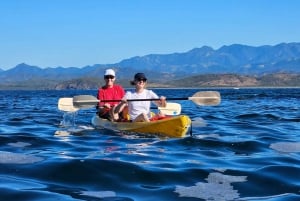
x=85 y=101
x=66 y=104
x=206 y=98
x=170 y=109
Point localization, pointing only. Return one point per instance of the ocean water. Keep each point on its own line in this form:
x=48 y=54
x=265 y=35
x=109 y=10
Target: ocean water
x=246 y=148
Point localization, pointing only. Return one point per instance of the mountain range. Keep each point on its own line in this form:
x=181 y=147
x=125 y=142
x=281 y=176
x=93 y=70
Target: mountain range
x=237 y=59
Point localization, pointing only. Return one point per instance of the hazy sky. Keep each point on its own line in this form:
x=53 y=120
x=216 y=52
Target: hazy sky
x=51 y=33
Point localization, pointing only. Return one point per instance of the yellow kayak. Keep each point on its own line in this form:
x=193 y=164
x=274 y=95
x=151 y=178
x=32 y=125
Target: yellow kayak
x=173 y=126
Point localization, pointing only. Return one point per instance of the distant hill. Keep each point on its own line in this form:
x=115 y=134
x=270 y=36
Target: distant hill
x=228 y=59
x=202 y=80
x=164 y=69
x=234 y=80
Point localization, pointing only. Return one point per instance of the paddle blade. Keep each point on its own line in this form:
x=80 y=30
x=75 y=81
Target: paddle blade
x=206 y=98
x=85 y=101
x=170 y=109
x=66 y=104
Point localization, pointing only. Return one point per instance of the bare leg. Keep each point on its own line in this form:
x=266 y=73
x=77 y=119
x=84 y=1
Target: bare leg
x=141 y=118
x=114 y=114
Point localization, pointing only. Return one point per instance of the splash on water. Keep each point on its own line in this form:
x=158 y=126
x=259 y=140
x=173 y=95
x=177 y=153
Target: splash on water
x=69 y=119
x=68 y=125
x=207 y=136
x=198 y=122
x=62 y=133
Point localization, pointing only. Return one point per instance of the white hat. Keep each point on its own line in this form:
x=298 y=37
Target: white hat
x=110 y=72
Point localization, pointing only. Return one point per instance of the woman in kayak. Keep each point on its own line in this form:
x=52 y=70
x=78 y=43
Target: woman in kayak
x=139 y=111
x=109 y=91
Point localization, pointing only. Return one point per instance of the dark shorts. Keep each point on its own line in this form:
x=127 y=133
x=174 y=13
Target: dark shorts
x=103 y=113
x=107 y=116
x=104 y=116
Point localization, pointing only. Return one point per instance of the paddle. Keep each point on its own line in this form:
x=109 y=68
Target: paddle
x=204 y=98
x=66 y=105
x=170 y=109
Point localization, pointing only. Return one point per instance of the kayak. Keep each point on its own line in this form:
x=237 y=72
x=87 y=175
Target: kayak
x=172 y=126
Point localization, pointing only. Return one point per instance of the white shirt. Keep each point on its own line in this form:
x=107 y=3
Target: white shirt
x=136 y=108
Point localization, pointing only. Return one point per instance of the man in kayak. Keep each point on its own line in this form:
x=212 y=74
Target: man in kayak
x=109 y=91
x=139 y=111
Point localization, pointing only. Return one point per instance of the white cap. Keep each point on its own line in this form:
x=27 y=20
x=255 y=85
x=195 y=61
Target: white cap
x=110 y=72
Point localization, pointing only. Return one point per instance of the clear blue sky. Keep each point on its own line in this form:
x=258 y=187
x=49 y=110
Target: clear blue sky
x=51 y=33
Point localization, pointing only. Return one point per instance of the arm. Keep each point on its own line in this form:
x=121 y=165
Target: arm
x=162 y=102
x=119 y=108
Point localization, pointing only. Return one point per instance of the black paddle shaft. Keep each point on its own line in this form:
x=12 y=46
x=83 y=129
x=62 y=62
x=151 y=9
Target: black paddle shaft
x=145 y=99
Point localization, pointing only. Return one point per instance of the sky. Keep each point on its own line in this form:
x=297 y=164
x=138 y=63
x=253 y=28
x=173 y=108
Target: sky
x=77 y=33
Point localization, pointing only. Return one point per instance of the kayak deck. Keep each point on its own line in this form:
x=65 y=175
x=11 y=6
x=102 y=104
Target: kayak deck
x=174 y=126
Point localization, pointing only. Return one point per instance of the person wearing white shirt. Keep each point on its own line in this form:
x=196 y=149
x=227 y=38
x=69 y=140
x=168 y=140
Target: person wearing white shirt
x=139 y=111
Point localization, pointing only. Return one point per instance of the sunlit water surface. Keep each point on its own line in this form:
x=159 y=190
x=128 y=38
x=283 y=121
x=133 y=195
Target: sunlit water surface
x=247 y=148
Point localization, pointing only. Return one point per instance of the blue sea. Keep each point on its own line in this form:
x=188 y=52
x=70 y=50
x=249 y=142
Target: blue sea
x=246 y=148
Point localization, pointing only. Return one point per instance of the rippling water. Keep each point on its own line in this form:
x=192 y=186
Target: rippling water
x=247 y=148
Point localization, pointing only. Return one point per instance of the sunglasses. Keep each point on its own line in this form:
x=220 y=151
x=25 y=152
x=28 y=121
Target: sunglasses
x=141 y=80
x=109 y=77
